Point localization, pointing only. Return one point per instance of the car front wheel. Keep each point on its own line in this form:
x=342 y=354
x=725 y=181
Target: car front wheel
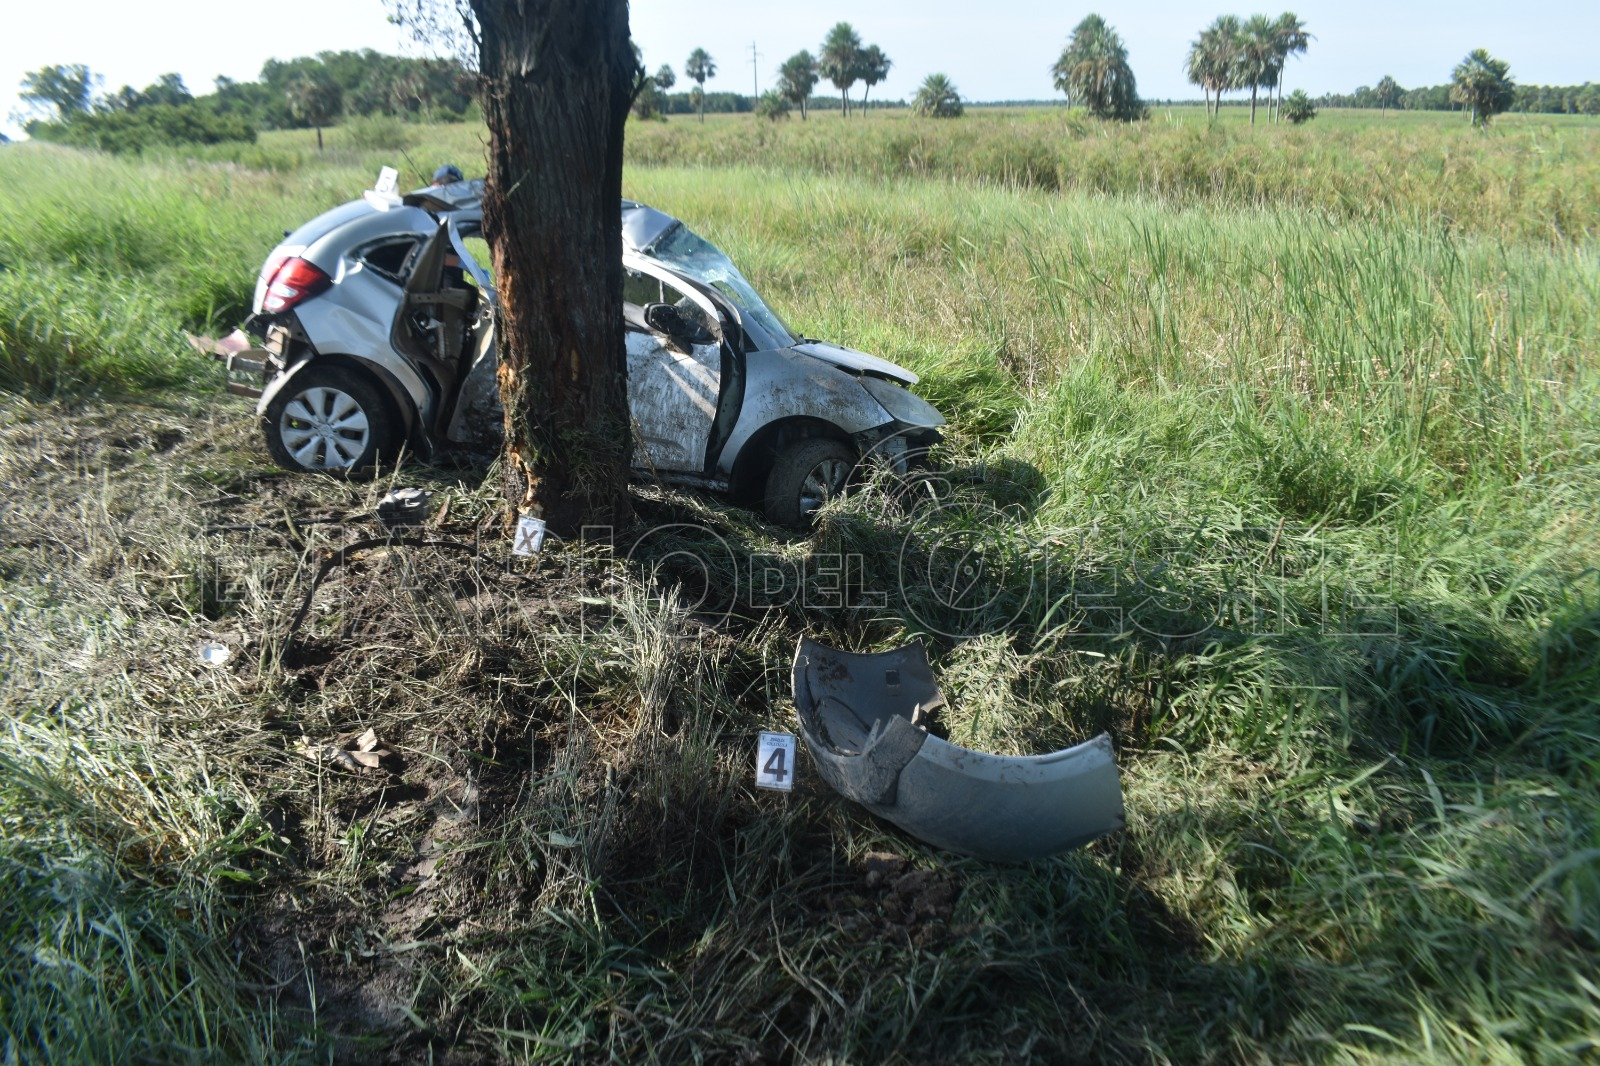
x=805 y=476
x=329 y=421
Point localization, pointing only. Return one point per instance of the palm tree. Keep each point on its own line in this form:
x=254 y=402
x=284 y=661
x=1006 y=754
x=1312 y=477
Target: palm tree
x=316 y=99
x=1194 y=68
x=1299 y=108
x=1483 y=84
x=697 y=68
x=1388 y=93
x=937 y=98
x=1210 y=63
x=1093 y=69
x=1292 y=39
x=1256 y=62
x=797 y=78
x=1212 y=58
x=840 y=61
x=874 y=68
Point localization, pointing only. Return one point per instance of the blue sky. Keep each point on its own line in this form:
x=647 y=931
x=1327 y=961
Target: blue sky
x=994 y=50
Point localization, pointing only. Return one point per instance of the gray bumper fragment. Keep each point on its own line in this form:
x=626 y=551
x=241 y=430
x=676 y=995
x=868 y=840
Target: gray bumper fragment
x=859 y=716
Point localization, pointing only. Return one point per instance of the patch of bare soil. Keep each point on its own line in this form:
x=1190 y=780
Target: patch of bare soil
x=890 y=900
x=429 y=636
x=435 y=656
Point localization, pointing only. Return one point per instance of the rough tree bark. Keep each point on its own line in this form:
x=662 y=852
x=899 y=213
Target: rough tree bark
x=556 y=83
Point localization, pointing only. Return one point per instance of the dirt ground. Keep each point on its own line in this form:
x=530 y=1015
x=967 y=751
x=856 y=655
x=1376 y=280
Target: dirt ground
x=555 y=737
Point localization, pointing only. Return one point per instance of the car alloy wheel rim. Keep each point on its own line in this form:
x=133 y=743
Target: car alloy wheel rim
x=825 y=481
x=324 y=429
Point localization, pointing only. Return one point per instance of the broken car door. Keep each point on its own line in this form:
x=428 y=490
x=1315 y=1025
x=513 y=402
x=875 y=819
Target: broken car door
x=437 y=318
x=674 y=371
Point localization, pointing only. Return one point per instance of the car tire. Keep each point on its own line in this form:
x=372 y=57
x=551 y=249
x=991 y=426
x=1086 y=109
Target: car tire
x=330 y=421
x=804 y=476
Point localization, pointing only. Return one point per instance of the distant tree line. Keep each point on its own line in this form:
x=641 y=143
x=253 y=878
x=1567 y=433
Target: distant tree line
x=306 y=93
x=1530 y=99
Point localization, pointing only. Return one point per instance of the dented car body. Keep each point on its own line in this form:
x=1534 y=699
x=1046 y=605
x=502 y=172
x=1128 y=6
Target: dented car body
x=863 y=719
x=375 y=328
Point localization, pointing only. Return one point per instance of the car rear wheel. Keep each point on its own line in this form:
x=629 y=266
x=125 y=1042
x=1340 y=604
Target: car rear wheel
x=805 y=476
x=329 y=421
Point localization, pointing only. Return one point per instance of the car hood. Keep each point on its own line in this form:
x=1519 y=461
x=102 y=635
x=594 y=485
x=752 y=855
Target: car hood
x=856 y=362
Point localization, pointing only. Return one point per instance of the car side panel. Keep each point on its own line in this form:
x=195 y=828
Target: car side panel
x=783 y=383
x=357 y=324
x=672 y=397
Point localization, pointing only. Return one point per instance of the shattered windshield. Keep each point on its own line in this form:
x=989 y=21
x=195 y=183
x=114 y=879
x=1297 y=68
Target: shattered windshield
x=686 y=252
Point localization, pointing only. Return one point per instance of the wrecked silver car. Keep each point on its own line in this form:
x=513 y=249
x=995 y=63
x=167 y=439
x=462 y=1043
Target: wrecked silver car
x=374 y=325
x=864 y=720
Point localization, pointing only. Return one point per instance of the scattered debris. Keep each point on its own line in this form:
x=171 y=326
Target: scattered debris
x=353 y=752
x=404 y=507
x=214 y=654
x=864 y=719
x=231 y=344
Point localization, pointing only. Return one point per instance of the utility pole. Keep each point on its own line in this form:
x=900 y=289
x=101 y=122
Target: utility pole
x=755 y=82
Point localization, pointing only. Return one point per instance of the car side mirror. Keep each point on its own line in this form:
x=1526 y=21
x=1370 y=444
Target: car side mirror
x=666 y=318
x=679 y=328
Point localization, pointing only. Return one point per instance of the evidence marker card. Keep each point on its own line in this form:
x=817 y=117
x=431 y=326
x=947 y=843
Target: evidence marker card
x=775 y=761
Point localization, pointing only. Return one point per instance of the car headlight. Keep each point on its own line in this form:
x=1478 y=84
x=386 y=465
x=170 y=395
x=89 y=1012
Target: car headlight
x=902 y=404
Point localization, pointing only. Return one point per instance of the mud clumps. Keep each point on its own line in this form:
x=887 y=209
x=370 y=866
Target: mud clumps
x=893 y=902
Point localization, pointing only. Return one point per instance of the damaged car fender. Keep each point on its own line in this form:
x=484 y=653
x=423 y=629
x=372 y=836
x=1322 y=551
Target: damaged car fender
x=862 y=716
x=786 y=384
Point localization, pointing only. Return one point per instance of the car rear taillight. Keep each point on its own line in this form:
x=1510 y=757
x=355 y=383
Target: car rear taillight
x=295 y=281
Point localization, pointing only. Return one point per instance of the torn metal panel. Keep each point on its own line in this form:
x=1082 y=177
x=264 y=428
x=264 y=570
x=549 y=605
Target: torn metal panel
x=478 y=417
x=673 y=398
x=860 y=716
x=784 y=384
x=857 y=362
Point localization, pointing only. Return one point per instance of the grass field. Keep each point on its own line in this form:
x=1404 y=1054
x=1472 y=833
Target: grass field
x=1293 y=495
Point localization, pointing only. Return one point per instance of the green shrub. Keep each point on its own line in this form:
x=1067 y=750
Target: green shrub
x=1298 y=108
x=156 y=124
x=376 y=132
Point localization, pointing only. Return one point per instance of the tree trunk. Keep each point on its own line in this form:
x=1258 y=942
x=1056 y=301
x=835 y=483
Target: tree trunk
x=844 y=106
x=319 y=138
x=555 y=83
x=1252 y=105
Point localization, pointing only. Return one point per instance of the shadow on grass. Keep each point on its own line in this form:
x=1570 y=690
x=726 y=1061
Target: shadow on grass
x=620 y=889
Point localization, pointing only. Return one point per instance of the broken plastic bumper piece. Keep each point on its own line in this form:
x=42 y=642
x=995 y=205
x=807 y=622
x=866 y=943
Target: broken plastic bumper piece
x=861 y=719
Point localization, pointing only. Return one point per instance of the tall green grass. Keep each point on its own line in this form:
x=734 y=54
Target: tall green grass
x=1527 y=182
x=104 y=263
x=1298 y=505
x=1311 y=528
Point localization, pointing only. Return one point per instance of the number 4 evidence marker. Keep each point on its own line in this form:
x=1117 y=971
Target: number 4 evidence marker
x=775 y=761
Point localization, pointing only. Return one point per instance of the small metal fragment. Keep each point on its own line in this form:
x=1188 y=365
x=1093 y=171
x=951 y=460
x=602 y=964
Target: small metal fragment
x=404 y=507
